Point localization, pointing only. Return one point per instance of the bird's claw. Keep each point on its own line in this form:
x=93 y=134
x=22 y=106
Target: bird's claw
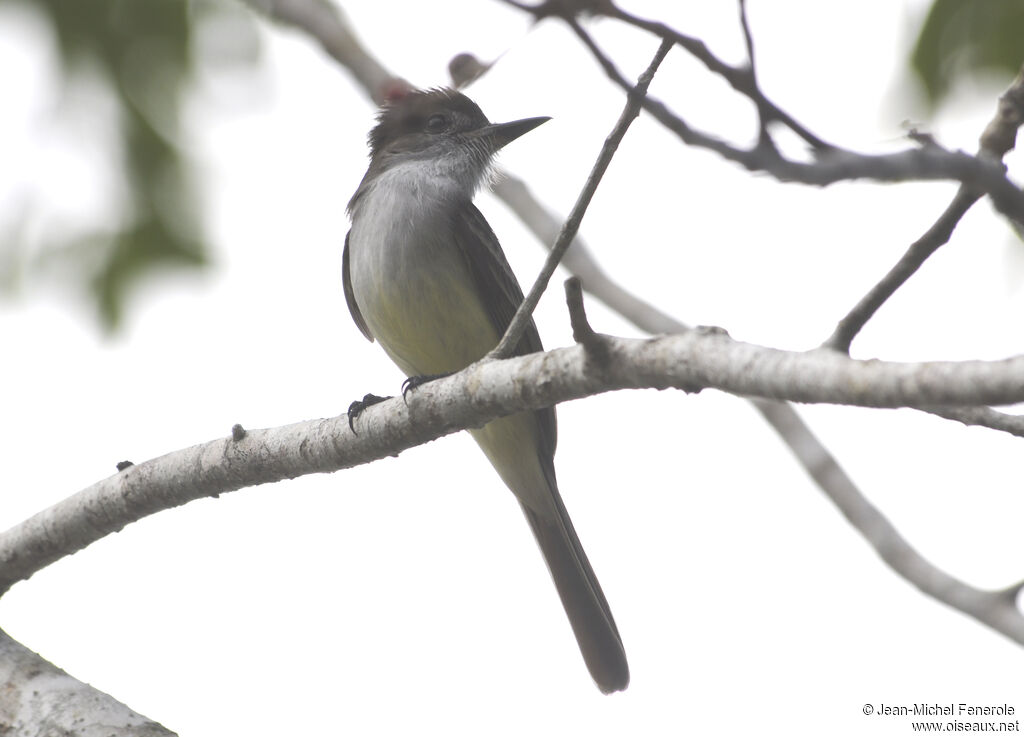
x=414 y=382
x=357 y=407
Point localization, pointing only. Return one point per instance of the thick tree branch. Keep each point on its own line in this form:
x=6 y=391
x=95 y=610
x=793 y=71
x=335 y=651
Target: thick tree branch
x=325 y=22
x=38 y=698
x=698 y=359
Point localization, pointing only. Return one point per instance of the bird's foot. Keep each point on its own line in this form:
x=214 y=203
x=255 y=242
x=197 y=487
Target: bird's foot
x=414 y=382
x=357 y=407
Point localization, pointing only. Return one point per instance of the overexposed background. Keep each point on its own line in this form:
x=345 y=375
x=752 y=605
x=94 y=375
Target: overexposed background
x=407 y=596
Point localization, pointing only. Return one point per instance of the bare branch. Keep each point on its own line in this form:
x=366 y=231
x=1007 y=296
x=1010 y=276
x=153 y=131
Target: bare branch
x=982 y=417
x=582 y=333
x=992 y=608
x=998 y=138
x=697 y=359
x=1000 y=135
x=821 y=466
x=977 y=174
x=764 y=109
x=41 y=699
x=833 y=165
x=572 y=223
x=325 y=22
x=742 y=80
x=920 y=250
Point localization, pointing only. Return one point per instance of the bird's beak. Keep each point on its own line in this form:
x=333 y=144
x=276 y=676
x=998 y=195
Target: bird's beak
x=502 y=134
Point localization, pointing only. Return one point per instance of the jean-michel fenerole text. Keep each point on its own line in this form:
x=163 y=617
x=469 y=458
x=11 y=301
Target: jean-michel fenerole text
x=949 y=710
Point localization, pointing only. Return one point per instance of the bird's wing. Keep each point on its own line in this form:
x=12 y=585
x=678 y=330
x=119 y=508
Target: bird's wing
x=500 y=293
x=350 y=297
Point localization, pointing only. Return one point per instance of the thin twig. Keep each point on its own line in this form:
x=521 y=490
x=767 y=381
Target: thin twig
x=741 y=80
x=833 y=165
x=920 y=250
x=998 y=138
x=748 y=40
x=981 y=417
x=572 y=223
x=764 y=111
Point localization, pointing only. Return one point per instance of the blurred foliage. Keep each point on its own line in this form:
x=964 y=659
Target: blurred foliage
x=144 y=51
x=967 y=38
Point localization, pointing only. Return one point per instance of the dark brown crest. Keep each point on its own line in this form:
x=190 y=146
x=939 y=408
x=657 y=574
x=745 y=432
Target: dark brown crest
x=439 y=110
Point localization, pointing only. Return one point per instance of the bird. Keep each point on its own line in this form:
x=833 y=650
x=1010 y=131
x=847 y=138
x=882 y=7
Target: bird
x=425 y=277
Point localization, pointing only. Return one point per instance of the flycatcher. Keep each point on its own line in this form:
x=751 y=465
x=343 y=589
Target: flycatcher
x=425 y=277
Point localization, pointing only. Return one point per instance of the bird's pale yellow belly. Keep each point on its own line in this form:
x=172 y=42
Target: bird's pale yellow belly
x=419 y=301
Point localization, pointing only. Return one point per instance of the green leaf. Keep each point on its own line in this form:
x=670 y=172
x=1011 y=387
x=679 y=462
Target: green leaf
x=145 y=52
x=966 y=39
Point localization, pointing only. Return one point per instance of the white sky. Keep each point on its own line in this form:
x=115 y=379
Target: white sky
x=407 y=596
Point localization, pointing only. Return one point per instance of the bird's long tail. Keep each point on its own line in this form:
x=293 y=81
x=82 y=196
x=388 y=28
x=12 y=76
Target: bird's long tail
x=581 y=595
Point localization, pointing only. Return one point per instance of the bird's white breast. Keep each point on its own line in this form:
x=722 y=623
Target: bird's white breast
x=409 y=278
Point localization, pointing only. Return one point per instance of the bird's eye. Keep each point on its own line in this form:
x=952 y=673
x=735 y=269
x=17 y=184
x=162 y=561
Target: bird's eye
x=437 y=123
